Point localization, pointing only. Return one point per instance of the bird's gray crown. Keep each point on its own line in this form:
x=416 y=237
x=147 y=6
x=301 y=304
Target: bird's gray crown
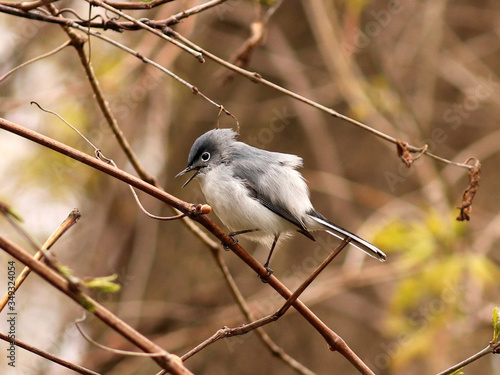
x=212 y=141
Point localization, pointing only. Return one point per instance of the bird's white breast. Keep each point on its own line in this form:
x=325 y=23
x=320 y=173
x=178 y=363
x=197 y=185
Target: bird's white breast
x=237 y=210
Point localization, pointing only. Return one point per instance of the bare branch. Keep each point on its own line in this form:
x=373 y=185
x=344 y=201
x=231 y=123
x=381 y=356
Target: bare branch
x=245 y=328
x=142 y=25
x=28 y=5
x=492 y=348
x=333 y=340
x=257 y=78
x=50 y=53
x=136 y=5
x=166 y=360
x=50 y=357
x=65 y=225
x=176 y=18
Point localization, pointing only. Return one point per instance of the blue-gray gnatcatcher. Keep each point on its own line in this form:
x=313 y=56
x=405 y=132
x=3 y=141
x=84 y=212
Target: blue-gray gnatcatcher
x=259 y=194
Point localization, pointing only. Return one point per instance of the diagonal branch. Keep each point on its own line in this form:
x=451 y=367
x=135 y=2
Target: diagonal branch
x=136 y=5
x=142 y=25
x=50 y=357
x=489 y=349
x=257 y=78
x=245 y=328
x=78 y=43
x=335 y=342
x=166 y=360
x=65 y=225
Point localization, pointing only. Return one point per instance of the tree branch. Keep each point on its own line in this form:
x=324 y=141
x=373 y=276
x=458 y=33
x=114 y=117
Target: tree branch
x=167 y=361
x=333 y=340
x=65 y=225
x=50 y=357
x=489 y=349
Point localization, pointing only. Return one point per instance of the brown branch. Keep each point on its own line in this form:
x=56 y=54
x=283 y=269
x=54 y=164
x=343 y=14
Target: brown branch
x=245 y=328
x=28 y=5
x=136 y=5
x=333 y=340
x=491 y=348
x=257 y=78
x=176 y=18
x=50 y=357
x=78 y=43
x=54 y=51
x=107 y=24
x=167 y=361
x=65 y=225
x=144 y=26
x=242 y=304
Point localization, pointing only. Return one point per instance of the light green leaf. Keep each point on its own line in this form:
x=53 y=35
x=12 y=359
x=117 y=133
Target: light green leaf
x=104 y=284
x=495 y=319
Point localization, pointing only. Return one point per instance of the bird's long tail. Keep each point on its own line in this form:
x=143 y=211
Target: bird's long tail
x=342 y=233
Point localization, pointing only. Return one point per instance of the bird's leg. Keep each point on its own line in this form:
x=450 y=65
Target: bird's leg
x=266 y=265
x=237 y=233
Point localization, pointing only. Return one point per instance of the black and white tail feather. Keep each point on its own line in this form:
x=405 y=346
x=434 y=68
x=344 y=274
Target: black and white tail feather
x=342 y=233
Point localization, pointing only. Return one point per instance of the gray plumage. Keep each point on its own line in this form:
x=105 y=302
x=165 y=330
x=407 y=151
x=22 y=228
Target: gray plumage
x=258 y=192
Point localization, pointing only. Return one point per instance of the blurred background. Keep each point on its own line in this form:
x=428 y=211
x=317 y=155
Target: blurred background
x=426 y=72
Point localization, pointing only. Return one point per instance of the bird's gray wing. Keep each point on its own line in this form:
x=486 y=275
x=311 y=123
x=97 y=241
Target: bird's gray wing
x=263 y=174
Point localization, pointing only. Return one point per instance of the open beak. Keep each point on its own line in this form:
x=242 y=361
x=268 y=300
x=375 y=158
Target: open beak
x=188 y=169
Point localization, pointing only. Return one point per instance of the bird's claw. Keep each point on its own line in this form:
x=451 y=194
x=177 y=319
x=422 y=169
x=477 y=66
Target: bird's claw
x=269 y=273
x=227 y=247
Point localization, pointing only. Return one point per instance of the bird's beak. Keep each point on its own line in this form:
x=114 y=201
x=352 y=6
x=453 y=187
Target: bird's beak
x=188 y=169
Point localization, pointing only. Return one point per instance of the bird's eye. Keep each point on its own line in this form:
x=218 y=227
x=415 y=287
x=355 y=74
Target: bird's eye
x=205 y=156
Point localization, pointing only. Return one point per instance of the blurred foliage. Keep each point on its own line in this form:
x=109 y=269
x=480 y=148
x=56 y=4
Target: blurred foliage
x=432 y=299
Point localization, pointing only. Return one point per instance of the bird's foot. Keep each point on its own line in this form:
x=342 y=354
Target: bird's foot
x=235 y=241
x=269 y=273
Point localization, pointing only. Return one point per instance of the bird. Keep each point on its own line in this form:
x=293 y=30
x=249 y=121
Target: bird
x=258 y=194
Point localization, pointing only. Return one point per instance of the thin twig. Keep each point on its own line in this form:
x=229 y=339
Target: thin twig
x=176 y=18
x=142 y=25
x=144 y=59
x=489 y=349
x=110 y=24
x=107 y=348
x=50 y=357
x=54 y=51
x=99 y=155
x=28 y=5
x=136 y=5
x=65 y=225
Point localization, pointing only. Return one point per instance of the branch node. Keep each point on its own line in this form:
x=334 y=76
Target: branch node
x=256 y=77
x=199 y=209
